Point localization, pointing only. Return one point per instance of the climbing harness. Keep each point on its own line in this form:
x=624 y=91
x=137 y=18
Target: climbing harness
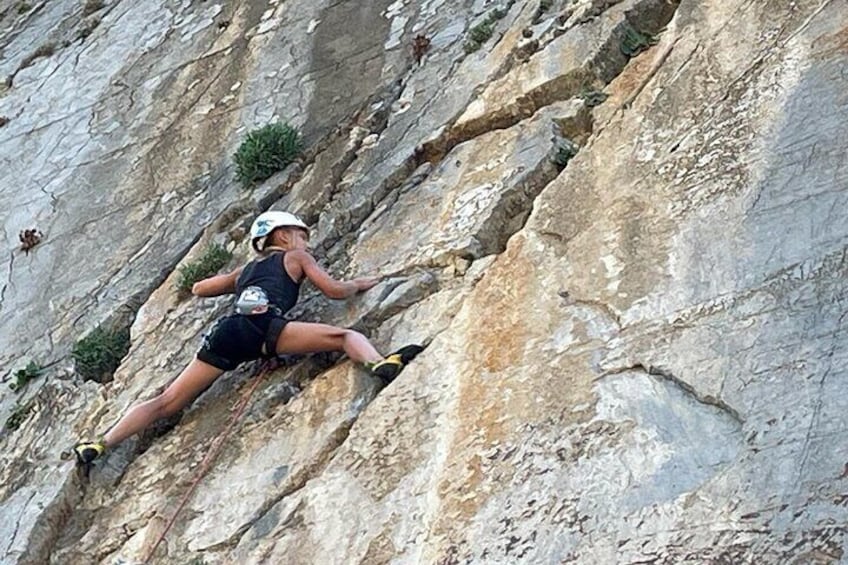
x=210 y=458
x=253 y=301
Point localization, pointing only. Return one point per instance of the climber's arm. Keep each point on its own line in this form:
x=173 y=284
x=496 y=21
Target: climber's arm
x=217 y=285
x=329 y=286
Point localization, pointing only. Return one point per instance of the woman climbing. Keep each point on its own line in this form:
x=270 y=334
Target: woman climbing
x=267 y=288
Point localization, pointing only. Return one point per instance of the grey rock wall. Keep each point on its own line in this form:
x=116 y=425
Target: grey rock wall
x=632 y=356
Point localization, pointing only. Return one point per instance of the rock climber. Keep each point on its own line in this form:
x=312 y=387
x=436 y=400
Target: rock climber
x=267 y=288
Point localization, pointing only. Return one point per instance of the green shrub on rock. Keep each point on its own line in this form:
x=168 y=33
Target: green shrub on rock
x=592 y=96
x=97 y=355
x=634 y=41
x=214 y=257
x=470 y=46
x=266 y=151
x=564 y=150
x=480 y=33
x=22 y=376
x=18 y=416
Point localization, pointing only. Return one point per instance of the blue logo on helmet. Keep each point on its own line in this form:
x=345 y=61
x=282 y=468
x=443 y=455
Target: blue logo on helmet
x=262 y=227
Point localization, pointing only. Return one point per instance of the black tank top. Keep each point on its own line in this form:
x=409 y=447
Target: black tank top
x=270 y=275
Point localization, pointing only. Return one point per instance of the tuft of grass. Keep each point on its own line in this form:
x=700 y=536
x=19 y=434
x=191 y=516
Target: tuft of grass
x=22 y=376
x=23 y=7
x=497 y=13
x=3 y=121
x=97 y=355
x=214 y=257
x=18 y=416
x=634 y=41
x=266 y=151
x=470 y=46
x=480 y=33
x=565 y=150
x=92 y=6
x=593 y=97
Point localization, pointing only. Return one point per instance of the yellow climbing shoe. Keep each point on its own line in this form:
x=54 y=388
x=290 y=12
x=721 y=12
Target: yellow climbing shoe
x=388 y=368
x=88 y=451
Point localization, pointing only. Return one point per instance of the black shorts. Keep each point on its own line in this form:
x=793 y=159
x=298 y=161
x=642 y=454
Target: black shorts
x=235 y=339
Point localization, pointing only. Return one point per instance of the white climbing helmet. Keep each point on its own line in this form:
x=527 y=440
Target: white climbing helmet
x=267 y=222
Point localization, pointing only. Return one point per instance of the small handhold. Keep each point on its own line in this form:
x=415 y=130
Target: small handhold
x=461 y=266
x=401 y=106
x=370 y=141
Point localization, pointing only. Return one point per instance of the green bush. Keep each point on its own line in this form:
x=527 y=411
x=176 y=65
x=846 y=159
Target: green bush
x=97 y=355
x=265 y=151
x=18 y=416
x=479 y=34
x=565 y=150
x=592 y=97
x=498 y=13
x=470 y=46
x=634 y=41
x=482 y=31
x=22 y=376
x=214 y=257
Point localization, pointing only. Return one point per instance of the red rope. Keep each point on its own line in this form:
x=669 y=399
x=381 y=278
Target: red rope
x=207 y=461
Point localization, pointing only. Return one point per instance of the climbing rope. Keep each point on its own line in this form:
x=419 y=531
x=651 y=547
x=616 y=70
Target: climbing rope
x=210 y=457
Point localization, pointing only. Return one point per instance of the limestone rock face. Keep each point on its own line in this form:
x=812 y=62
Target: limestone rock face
x=619 y=227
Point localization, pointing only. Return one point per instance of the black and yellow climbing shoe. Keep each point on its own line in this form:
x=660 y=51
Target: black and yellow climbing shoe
x=88 y=451
x=388 y=368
